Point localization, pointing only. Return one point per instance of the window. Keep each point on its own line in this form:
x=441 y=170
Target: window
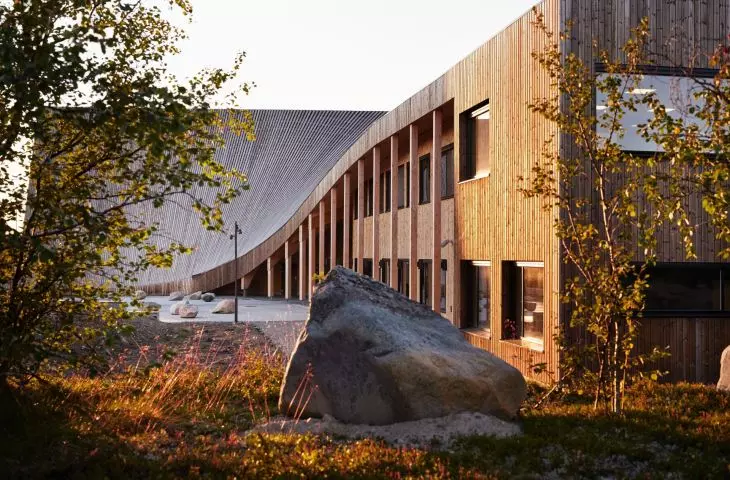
x=404 y=273
x=447 y=172
x=476 y=288
x=367 y=267
x=676 y=93
x=688 y=287
x=524 y=282
x=385 y=271
x=354 y=264
x=442 y=302
x=475 y=141
x=369 y=198
x=424 y=282
x=404 y=185
x=424 y=179
x=385 y=191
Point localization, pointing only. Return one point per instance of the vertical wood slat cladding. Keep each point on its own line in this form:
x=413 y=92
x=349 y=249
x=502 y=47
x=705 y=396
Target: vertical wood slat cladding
x=493 y=219
x=413 y=237
x=678 y=32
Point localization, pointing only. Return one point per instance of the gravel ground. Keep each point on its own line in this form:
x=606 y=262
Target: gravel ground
x=283 y=335
x=435 y=433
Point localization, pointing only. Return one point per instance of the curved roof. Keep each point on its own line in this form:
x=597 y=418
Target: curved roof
x=293 y=151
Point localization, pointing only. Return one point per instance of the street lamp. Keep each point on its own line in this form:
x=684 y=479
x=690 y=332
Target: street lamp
x=234 y=237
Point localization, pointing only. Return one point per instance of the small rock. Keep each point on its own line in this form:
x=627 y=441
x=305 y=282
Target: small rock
x=176 y=296
x=152 y=306
x=140 y=295
x=175 y=308
x=224 y=306
x=208 y=297
x=724 y=382
x=196 y=295
x=188 y=311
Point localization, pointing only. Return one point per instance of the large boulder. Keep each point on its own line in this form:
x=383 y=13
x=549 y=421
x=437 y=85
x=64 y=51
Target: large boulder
x=196 y=295
x=369 y=355
x=176 y=296
x=188 y=311
x=724 y=382
x=208 y=297
x=224 y=306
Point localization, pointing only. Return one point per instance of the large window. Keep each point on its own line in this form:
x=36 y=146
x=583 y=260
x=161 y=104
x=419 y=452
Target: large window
x=424 y=282
x=385 y=271
x=447 y=172
x=524 y=283
x=385 y=191
x=424 y=179
x=674 y=92
x=476 y=288
x=369 y=198
x=404 y=274
x=475 y=140
x=404 y=185
x=690 y=288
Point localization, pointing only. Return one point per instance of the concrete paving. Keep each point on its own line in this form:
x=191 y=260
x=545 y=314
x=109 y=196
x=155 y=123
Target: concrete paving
x=249 y=310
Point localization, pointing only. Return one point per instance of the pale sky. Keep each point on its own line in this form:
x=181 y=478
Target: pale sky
x=339 y=54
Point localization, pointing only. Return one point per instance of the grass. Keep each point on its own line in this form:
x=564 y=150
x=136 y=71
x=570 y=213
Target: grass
x=187 y=416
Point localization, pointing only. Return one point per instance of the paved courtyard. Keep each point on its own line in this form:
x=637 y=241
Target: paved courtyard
x=280 y=320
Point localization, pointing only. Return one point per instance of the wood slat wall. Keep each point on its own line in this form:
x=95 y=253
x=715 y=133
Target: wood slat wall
x=682 y=33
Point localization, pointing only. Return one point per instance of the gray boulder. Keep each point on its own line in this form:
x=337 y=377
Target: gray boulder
x=188 y=311
x=196 y=295
x=208 y=297
x=224 y=306
x=724 y=382
x=152 y=306
x=369 y=355
x=176 y=296
x=140 y=295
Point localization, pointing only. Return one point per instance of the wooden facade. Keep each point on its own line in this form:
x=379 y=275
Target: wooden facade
x=488 y=219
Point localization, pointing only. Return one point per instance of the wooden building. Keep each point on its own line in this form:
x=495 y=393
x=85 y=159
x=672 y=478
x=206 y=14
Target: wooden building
x=425 y=198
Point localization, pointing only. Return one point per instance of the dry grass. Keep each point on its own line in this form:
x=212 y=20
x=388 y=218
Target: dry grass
x=157 y=415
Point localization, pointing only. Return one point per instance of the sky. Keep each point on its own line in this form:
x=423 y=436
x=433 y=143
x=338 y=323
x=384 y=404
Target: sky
x=339 y=54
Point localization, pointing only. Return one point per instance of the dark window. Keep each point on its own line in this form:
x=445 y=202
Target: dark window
x=688 y=287
x=369 y=198
x=524 y=282
x=367 y=267
x=385 y=192
x=447 y=172
x=424 y=282
x=385 y=271
x=404 y=185
x=404 y=274
x=442 y=302
x=354 y=264
x=475 y=143
x=424 y=179
x=476 y=288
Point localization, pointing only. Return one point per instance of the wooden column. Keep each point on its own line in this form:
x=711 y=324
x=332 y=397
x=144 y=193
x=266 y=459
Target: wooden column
x=413 y=202
x=333 y=227
x=360 y=213
x=310 y=242
x=287 y=271
x=346 y=219
x=436 y=209
x=321 y=237
x=394 y=212
x=269 y=277
x=302 y=262
x=376 y=213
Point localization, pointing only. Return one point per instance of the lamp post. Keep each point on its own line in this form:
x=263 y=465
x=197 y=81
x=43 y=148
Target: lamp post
x=234 y=237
